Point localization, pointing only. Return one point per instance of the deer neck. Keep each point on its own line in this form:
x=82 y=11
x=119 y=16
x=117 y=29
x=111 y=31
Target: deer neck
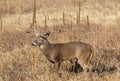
x=45 y=47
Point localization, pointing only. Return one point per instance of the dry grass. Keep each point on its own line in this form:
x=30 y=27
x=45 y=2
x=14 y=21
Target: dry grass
x=19 y=61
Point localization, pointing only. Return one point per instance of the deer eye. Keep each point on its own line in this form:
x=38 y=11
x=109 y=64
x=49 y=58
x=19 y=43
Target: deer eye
x=40 y=40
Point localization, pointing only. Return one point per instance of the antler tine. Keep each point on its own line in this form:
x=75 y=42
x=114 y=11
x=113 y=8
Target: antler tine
x=35 y=31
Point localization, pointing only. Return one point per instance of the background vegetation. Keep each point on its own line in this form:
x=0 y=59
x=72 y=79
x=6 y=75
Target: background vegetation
x=99 y=26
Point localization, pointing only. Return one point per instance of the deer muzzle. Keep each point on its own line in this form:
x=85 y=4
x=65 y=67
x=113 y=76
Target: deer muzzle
x=34 y=44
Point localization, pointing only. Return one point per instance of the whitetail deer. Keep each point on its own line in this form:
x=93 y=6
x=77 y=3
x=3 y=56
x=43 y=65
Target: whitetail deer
x=56 y=53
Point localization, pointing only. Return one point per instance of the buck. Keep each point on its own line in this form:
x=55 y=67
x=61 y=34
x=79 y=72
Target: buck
x=56 y=53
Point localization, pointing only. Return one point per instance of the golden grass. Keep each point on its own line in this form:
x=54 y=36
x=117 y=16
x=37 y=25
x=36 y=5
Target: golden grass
x=19 y=61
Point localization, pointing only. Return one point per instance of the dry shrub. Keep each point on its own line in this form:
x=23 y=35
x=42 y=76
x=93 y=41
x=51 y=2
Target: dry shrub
x=18 y=58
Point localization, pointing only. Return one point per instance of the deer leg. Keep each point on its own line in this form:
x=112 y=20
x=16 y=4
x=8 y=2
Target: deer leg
x=51 y=66
x=74 y=64
x=90 y=69
x=83 y=66
x=57 y=66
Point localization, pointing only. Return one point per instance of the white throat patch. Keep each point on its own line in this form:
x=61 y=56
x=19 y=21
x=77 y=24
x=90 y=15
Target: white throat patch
x=42 y=46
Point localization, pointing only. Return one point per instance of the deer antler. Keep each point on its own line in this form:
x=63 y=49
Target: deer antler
x=37 y=33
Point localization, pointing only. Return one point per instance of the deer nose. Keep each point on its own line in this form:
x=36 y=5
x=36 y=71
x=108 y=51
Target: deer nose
x=34 y=44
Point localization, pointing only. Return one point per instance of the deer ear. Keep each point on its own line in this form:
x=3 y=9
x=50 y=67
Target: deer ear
x=46 y=35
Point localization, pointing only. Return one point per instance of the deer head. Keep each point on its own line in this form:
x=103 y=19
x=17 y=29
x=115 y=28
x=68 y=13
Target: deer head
x=41 y=40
